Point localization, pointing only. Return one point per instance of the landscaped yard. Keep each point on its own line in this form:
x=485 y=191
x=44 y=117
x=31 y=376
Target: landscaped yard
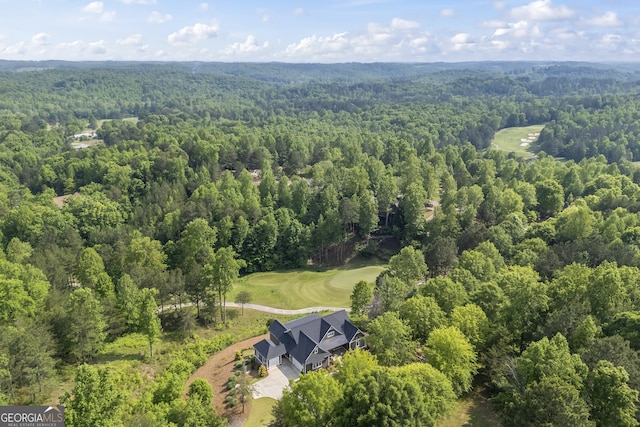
x=517 y=139
x=305 y=288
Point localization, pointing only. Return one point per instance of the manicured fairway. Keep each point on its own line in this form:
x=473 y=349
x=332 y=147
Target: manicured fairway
x=304 y=288
x=517 y=140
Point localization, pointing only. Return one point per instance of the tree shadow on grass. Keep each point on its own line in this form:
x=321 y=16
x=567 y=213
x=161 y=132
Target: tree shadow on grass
x=480 y=411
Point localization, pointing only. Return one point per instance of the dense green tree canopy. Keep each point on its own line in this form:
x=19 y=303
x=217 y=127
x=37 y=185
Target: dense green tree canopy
x=280 y=166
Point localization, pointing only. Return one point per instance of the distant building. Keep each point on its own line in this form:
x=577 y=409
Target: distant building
x=309 y=343
x=89 y=135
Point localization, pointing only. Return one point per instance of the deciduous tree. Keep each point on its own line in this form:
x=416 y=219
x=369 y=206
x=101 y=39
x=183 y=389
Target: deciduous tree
x=86 y=323
x=449 y=351
x=148 y=321
x=361 y=297
x=311 y=401
x=243 y=298
x=390 y=340
x=220 y=272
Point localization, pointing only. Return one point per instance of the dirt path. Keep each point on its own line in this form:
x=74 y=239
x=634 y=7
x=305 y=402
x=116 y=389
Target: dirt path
x=217 y=371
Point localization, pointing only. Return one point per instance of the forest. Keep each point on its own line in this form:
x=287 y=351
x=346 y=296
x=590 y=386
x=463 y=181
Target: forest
x=517 y=276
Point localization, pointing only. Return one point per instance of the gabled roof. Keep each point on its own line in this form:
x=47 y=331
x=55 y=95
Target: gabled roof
x=301 y=336
x=269 y=350
x=304 y=349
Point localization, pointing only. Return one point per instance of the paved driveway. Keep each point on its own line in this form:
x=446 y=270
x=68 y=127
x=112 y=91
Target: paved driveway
x=273 y=384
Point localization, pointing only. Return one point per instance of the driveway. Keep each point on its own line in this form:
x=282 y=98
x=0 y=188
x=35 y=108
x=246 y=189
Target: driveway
x=273 y=384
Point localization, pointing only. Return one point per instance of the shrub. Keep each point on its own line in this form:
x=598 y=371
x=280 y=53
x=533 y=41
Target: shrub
x=238 y=372
x=238 y=355
x=239 y=364
x=233 y=402
x=262 y=371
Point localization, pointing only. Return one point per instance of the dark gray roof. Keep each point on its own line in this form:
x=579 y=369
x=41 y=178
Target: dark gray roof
x=269 y=350
x=304 y=349
x=299 y=337
x=329 y=344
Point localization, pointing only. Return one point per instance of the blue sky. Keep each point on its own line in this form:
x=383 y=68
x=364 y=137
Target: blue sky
x=314 y=31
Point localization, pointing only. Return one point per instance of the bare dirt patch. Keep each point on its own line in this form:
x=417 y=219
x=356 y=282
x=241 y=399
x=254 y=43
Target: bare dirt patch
x=60 y=200
x=217 y=371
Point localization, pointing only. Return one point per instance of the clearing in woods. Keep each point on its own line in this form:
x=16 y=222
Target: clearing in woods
x=518 y=140
x=305 y=288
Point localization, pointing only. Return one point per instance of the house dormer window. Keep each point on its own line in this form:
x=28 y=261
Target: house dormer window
x=330 y=334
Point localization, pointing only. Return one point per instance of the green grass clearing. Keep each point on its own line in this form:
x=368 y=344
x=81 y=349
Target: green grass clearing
x=305 y=288
x=260 y=415
x=474 y=410
x=133 y=120
x=512 y=139
x=86 y=144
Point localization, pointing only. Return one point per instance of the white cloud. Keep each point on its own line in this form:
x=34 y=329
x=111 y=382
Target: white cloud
x=403 y=24
x=447 y=13
x=204 y=7
x=421 y=43
x=97 y=48
x=193 y=34
x=265 y=18
x=108 y=16
x=298 y=11
x=519 y=29
x=248 y=46
x=610 y=39
x=315 y=44
x=132 y=40
x=609 y=19
x=462 y=41
x=566 y=34
x=541 y=10
x=94 y=7
x=74 y=43
x=500 y=5
x=159 y=18
x=40 y=38
x=144 y=2
x=19 y=48
x=134 y=44
x=494 y=24
x=399 y=40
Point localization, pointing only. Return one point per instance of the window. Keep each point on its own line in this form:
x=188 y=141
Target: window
x=317 y=365
x=315 y=350
x=330 y=334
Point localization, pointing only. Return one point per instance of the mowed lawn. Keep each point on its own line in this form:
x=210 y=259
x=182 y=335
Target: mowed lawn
x=510 y=139
x=305 y=288
x=260 y=415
